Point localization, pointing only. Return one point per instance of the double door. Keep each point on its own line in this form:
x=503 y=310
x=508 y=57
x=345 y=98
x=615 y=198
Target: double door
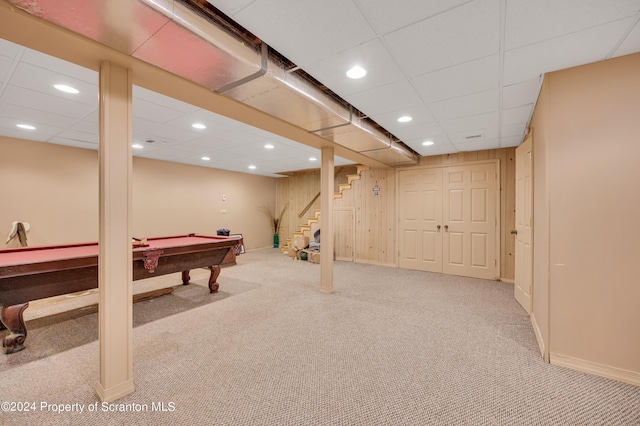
x=448 y=220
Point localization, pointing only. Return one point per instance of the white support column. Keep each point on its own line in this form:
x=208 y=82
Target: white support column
x=326 y=220
x=115 y=261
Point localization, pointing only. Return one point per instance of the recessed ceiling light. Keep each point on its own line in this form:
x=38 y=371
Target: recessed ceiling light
x=269 y=146
x=404 y=119
x=136 y=146
x=205 y=158
x=356 y=72
x=313 y=159
x=427 y=143
x=252 y=167
x=26 y=126
x=198 y=126
x=66 y=89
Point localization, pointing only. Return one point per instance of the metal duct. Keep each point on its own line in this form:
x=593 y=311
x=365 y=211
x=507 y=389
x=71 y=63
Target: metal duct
x=172 y=36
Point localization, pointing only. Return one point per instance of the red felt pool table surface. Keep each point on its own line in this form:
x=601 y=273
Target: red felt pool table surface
x=31 y=273
x=22 y=255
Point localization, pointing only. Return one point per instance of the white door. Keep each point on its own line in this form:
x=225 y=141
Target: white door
x=420 y=219
x=524 y=225
x=470 y=222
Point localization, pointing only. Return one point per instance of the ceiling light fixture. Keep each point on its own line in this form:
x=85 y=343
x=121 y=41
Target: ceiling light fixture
x=198 y=126
x=26 y=126
x=313 y=159
x=404 y=119
x=269 y=146
x=205 y=158
x=356 y=72
x=252 y=167
x=136 y=146
x=427 y=143
x=66 y=89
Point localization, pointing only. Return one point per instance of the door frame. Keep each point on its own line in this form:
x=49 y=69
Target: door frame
x=521 y=296
x=497 y=206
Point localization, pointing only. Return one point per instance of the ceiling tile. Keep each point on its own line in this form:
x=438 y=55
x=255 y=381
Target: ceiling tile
x=5 y=67
x=472 y=122
x=511 y=141
x=44 y=102
x=422 y=132
x=74 y=143
x=474 y=136
x=477 y=145
x=9 y=49
x=314 y=30
x=19 y=113
x=86 y=126
x=389 y=120
x=79 y=136
x=520 y=114
x=529 y=22
x=631 y=43
x=587 y=46
x=465 y=33
x=396 y=96
x=519 y=94
x=471 y=77
x=512 y=130
x=386 y=16
x=59 y=66
x=154 y=112
x=372 y=56
x=436 y=149
x=42 y=80
x=463 y=106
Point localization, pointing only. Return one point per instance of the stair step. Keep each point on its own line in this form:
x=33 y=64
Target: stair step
x=337 y=196
x=360 y=168
x=344 y=186
x=351 y=178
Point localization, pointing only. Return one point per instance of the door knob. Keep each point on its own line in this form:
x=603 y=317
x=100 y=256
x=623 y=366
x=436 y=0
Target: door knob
x=514 y=232
x=446 y=228
x=438 y=228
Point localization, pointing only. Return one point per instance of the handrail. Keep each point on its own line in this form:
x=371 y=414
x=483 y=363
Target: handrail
x=304 y=211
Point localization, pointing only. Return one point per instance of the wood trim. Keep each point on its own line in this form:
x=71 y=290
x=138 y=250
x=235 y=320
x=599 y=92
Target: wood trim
x=625 y=376
x=538 y=333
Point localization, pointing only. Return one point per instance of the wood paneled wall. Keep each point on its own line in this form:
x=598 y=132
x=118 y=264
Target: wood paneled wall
x=375 y=218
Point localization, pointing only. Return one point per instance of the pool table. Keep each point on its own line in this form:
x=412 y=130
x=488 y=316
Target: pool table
x=32 y=273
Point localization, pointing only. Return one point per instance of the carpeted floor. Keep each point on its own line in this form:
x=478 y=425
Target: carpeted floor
x=389 y=347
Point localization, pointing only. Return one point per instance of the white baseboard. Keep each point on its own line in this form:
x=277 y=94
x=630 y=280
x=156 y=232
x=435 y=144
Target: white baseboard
x=626 y=376
x=507 y=280
x=538 y=333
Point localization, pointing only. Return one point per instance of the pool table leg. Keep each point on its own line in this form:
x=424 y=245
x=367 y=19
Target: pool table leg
x=185 y=277
x=215 y=271
x=11 y=317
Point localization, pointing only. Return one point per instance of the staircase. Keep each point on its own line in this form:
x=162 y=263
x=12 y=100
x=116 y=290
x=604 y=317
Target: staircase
x=313 y=223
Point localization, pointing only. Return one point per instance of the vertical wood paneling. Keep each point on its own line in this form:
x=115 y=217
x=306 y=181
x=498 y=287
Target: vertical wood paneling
x=509 y=217
x=375 y=217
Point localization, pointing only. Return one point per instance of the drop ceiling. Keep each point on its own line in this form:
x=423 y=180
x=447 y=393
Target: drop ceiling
x=162 y=126
x=467 y=72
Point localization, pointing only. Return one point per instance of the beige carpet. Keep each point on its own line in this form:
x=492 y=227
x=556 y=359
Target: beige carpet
x=389 y=347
